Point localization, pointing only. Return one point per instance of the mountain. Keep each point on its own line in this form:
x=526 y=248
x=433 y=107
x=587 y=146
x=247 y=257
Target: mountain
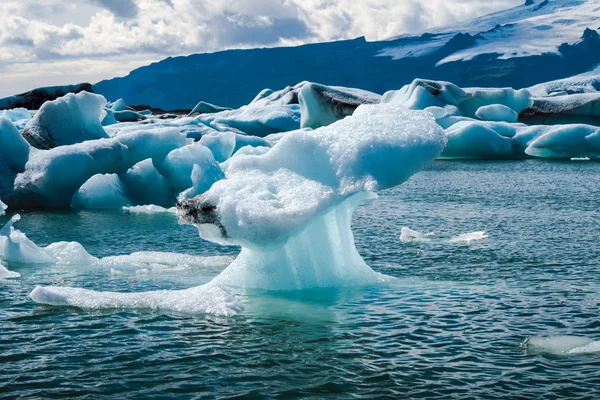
x=536 y=42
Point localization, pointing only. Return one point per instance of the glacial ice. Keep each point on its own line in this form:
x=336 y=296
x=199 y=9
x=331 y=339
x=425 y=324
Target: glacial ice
x=207 y=108
x=101 y=191
x=221 y=144
x=408 y=235
x=422 y=93
x=3 y=208
x=143 y=185
x=206 y=299
x=322 y=105
x=71 y=119
x=256 y=121
x=149 y=209
x=498 y=113
x=52 y=177
x=14 y=153
x=17 y=248
x=16 y=115
x=290 y=208
x=7 y=274
x=562 y=345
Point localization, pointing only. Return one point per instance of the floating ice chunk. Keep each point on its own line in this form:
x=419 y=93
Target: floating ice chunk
x=207 y=108
x=16 y=114
x=468 y=237
x=6 y=274
x=469 y=140
x=14 y=153
x=178 y=165
x=562 y=345
x=70 y=253
x=71 y=119
x=52 y=177
x=101 y=191
x=497 y=112
x=221 y=144
x=291 y=207
x=159 y=262
x=422 y=93
x=16 y=247
x=203 y=177
x=207 y=299
x=285 y=96
x=256 y=121
x=145 y=185
x=410 y=235
x=242 y=141
x=149 y=209
x=566 y=142
x=3 y=207
x=575 y=108
x=322 y=105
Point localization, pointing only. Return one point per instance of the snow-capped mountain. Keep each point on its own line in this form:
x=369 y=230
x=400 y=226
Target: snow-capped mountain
x=536 y=42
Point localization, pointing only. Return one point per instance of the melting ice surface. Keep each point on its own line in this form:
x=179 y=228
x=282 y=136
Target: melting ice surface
x=410 y=235
x=562 y=345
x=290 y=209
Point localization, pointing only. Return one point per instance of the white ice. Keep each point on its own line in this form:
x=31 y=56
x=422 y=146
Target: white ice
x=206 y=299
x=322 y=105
x=71 y=119
x=149 y=209
x=408 y=235
x=290 y=208
x=15 y=247
x=101 y=191
x=562 y=345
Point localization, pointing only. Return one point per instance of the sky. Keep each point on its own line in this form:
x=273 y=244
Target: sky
x=56 y=42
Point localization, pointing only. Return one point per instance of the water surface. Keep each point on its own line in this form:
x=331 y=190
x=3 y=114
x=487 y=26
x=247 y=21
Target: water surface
x=450 y=327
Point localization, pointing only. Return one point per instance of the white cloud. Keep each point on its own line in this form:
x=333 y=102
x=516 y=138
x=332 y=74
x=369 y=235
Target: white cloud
x=109 y=35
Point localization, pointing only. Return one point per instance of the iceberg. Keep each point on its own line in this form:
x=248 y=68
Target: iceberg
x=498 y=113
x=71 y=119
x=14 y=153
x=52 y=177
x=206 y=299
x=3 y=208
x=564 y=109
x=7 y=274
x=101 y=191
x=17 y=248
x=562 y=345
x=143 y=185
x=256 y=121
x=290 y=208
x=322 y=105
x=422 y=93
x=207 y=108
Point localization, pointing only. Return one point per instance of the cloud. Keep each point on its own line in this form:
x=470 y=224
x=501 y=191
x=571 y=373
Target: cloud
x=50 y=31
x=120 y=8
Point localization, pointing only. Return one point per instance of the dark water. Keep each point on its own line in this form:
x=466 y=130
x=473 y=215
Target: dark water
x=451 y=327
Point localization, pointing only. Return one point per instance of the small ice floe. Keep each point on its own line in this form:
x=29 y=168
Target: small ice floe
x=562 y=345
x=149 y=209
x=408 y=235
x=6 y=274
x=206 y=299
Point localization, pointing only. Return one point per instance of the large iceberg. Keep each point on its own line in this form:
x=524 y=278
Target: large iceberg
x=14 y=153
x=290 y=208
x=51 y=177
x=71 y=119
